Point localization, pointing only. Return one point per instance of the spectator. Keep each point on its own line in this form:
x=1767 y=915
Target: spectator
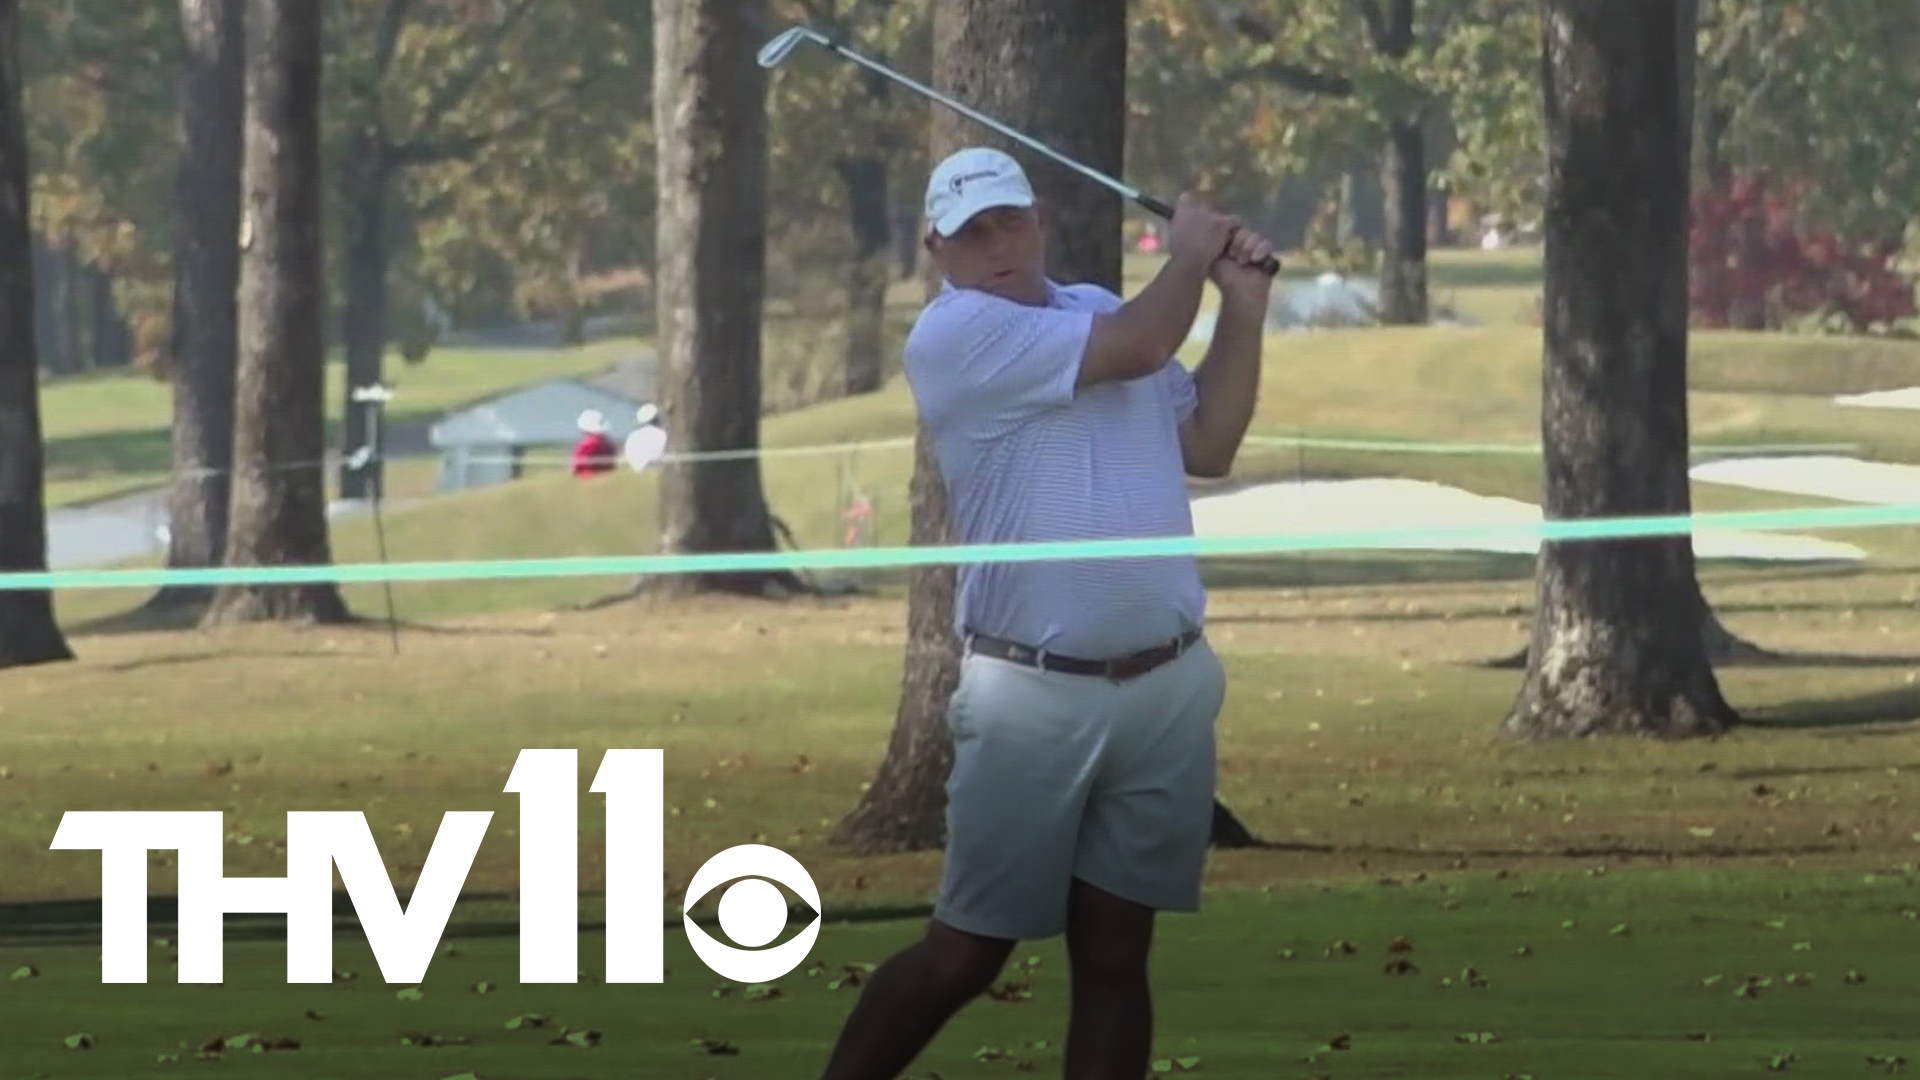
x=594 y=453
x=648 y=442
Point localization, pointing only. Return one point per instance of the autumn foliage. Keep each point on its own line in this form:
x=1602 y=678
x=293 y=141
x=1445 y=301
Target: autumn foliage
x=1759 y=261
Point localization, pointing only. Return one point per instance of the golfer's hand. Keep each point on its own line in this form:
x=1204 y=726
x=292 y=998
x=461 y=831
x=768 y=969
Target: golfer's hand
x=1238 y=270
x=1198 y=236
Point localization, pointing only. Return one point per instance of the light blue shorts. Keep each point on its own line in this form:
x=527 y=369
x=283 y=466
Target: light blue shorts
x=1057 y=776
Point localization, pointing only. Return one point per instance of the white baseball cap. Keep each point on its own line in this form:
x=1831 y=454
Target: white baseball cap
x=972 y=180
x=592 y=422
x=646 y=413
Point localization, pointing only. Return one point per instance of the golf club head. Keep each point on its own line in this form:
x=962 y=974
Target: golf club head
x=775 y=52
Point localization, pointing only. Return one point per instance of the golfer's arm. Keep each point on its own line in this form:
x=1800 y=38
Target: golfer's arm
x=1141 y=336
x=1227 y=384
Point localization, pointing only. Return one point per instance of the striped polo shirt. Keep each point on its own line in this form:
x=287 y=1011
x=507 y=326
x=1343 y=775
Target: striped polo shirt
x=1027 y=458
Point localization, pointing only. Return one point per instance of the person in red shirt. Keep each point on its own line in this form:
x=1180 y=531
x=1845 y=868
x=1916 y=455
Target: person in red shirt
x=595 y=453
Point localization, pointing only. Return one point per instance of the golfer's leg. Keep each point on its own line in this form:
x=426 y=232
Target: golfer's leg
x=1142 y=849
x=1110 y=1033
x=910 y=998
x=1013 y=799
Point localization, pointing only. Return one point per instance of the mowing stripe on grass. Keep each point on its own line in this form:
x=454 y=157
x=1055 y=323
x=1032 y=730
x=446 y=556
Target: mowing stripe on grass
x=1846 y=517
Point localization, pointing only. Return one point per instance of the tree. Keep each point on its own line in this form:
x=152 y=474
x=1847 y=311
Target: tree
x=427 y=82
x=711 y=121
x=820 y=100
x=1373 y=56
x=1618 y=644
x=1056 y=70
x=28 y=631
x=279 y=513
x=566 y=209
x=206 y=269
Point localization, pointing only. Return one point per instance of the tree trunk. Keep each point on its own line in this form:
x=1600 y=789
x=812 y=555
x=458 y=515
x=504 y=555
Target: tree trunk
x=67 y=358
x=1618 y=645
x=363 y=332
x=46 y=339
x=29 y=633
x=206 y=271
x=112 y=340
x=279 y=511
x=1055 y=69
x=867 y=273
x=1403 y=260
x=904 y=808
x=709 y=106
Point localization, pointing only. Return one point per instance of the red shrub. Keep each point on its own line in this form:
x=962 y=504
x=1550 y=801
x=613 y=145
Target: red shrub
x=1759 y=263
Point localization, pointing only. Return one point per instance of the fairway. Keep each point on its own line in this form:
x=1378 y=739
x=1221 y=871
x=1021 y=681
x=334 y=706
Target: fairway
x=1357 y=741
x=1468 y=974
x=1611 y=909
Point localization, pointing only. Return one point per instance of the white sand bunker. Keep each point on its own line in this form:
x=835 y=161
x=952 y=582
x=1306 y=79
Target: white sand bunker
x=1883 y=399
x=1875 y=483
x=1382 y=505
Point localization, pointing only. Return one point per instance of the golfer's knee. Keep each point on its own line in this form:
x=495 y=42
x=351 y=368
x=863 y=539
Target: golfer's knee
x=962 y=966
x=1118 y=964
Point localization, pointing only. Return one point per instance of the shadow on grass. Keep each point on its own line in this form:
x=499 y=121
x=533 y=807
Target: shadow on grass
x=77 y=922
x=1894 y=709
x=1308 y=570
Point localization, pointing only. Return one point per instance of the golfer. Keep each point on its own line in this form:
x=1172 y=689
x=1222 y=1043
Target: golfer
x=1081 y=795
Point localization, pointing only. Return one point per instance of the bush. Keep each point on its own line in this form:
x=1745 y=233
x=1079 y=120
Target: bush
x=1759 y=262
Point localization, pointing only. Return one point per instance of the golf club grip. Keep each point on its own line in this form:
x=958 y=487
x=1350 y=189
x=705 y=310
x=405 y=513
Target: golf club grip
x=1153 y=205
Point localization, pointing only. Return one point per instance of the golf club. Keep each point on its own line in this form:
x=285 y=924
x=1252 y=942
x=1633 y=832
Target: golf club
x=776 y=51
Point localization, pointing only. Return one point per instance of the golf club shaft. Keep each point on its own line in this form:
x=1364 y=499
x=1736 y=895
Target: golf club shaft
x=1146 y=202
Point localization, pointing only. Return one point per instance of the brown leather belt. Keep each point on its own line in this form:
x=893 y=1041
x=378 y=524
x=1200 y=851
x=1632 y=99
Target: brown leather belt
x=1118 y=670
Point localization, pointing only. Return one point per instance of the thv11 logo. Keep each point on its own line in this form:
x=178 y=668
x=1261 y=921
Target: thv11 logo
x=751 y=911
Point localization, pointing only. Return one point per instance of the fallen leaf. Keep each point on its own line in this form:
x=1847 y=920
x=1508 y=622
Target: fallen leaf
x=1401 y=966
x=1853 y=978
x=80 y=1041
x=717 y=1046
x=1012 y=990
x=424 y=1040
x=411 y=993
x=529 y=1020
x=583 y=1038
x=27 y=972
x=1400 y=945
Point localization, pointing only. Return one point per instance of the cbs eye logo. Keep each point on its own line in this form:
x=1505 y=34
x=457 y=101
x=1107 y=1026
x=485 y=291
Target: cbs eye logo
x=752 y=912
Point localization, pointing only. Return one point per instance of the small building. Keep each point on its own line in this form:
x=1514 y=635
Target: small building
x=486 y=442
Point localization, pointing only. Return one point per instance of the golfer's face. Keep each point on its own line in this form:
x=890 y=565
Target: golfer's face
x=999 y=250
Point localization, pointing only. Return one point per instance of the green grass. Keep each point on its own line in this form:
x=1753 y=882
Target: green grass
x=1477 y=385
x=1586 y=1001
x=1357 y=729
x=111 y=433
x=1357 y=736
